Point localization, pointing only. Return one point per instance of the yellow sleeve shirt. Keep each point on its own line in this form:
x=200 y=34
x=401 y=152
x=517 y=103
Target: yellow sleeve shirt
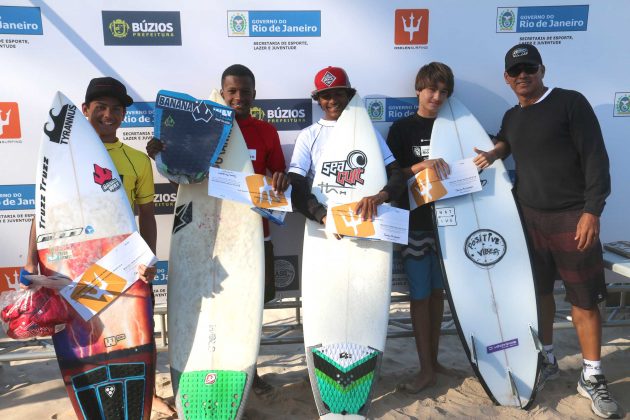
x=134 y=168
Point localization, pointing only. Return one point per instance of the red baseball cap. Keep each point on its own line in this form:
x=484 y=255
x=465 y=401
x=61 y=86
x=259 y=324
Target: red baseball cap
x=331 y=78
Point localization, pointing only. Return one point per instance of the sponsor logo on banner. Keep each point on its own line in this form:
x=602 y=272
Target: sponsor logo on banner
x=17 y=197
x=20 y=20
x=284 y=114
x=542 y=19
x=10 y=121
x=622 y=104
x=139 y=114
x=390 y=109
x=411 y=27
x=9 y=279
x=141 y=28
x=350 y=224
x=164 y=199
x=274 y=23
x=160 y=282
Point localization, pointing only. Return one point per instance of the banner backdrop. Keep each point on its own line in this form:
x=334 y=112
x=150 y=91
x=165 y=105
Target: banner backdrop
x=185 y=46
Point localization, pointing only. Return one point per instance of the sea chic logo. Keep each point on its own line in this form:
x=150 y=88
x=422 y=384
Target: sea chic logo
x=485 y=247
x=411 y=26
x=274 y=23
x=20 y=20
x=62 y=124
x=10 y=121
x=141 y=28
x=349 y=171
x=622 y=104
x=105 y=178
x=542 y=19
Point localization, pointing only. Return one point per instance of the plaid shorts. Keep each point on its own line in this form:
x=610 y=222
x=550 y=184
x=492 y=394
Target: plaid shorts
x=555 y=255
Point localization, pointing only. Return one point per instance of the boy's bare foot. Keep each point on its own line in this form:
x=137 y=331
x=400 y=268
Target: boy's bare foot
x=439 y=368
x=161 y=406
x=421 y=382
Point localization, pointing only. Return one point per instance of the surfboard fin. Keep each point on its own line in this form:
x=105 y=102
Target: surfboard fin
x=537 y=343
x=473 y=348
x=514 y=388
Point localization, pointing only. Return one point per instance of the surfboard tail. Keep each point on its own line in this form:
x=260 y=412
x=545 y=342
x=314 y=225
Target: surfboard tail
x=343 y=376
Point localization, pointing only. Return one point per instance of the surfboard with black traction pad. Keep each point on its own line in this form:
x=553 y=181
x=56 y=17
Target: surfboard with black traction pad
x=107 y=363
x=346 y=283
x=487 y=268
x=215 y=294
x=193 y=131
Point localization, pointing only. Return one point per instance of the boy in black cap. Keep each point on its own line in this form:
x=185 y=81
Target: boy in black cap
x=106 y=100
x=562 y=181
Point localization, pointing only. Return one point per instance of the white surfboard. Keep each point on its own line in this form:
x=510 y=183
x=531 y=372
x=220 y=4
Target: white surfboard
x=215 y=294
x=487 y=267
x=346 y=283
x=82 y=212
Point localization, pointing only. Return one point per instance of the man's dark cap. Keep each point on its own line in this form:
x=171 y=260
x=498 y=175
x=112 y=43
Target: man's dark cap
x=522 y=53
x=107 y=87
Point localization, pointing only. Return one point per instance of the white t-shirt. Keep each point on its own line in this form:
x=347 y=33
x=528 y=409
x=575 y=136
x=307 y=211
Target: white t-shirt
x=311 y=143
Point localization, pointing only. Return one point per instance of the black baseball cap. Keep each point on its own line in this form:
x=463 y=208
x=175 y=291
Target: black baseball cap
x=522 y=53
x=109 y=87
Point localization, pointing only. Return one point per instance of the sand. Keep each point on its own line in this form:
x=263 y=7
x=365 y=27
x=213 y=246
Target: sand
x=34 y=390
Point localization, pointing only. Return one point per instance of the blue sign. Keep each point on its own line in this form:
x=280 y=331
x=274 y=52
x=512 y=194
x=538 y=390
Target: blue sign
x=275 y=23
x=21 y=20
x=17 y=197
x=139 y=114
x=161 y=276
x=390 y=109
x=542 y=19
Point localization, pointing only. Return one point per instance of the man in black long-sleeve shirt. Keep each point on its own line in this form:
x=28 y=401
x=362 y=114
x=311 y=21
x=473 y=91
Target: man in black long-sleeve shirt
x=562 y=181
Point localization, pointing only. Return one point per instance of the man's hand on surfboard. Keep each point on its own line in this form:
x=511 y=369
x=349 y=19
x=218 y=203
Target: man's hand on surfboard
x=484 y=159
x=367 y=206
x=146 y=274
x=154 y=146
x=279 y=182
x=439 y=165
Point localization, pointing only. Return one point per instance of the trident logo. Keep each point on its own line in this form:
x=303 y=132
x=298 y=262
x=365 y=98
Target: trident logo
x=425 y=188
x=353 y=222
x=411 y=28
x=265 y=190
x=5 y=121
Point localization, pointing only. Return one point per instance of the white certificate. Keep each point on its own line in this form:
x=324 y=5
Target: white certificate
x=391 y=223
x=109 y=277
x=426 y=186
x=252 y=189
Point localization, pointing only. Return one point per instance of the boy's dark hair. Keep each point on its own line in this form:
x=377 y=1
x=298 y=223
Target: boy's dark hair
x=238 y=70
x=431 y=74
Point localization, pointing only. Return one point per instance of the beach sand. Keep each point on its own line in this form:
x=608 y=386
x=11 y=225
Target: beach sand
x=34 y=390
